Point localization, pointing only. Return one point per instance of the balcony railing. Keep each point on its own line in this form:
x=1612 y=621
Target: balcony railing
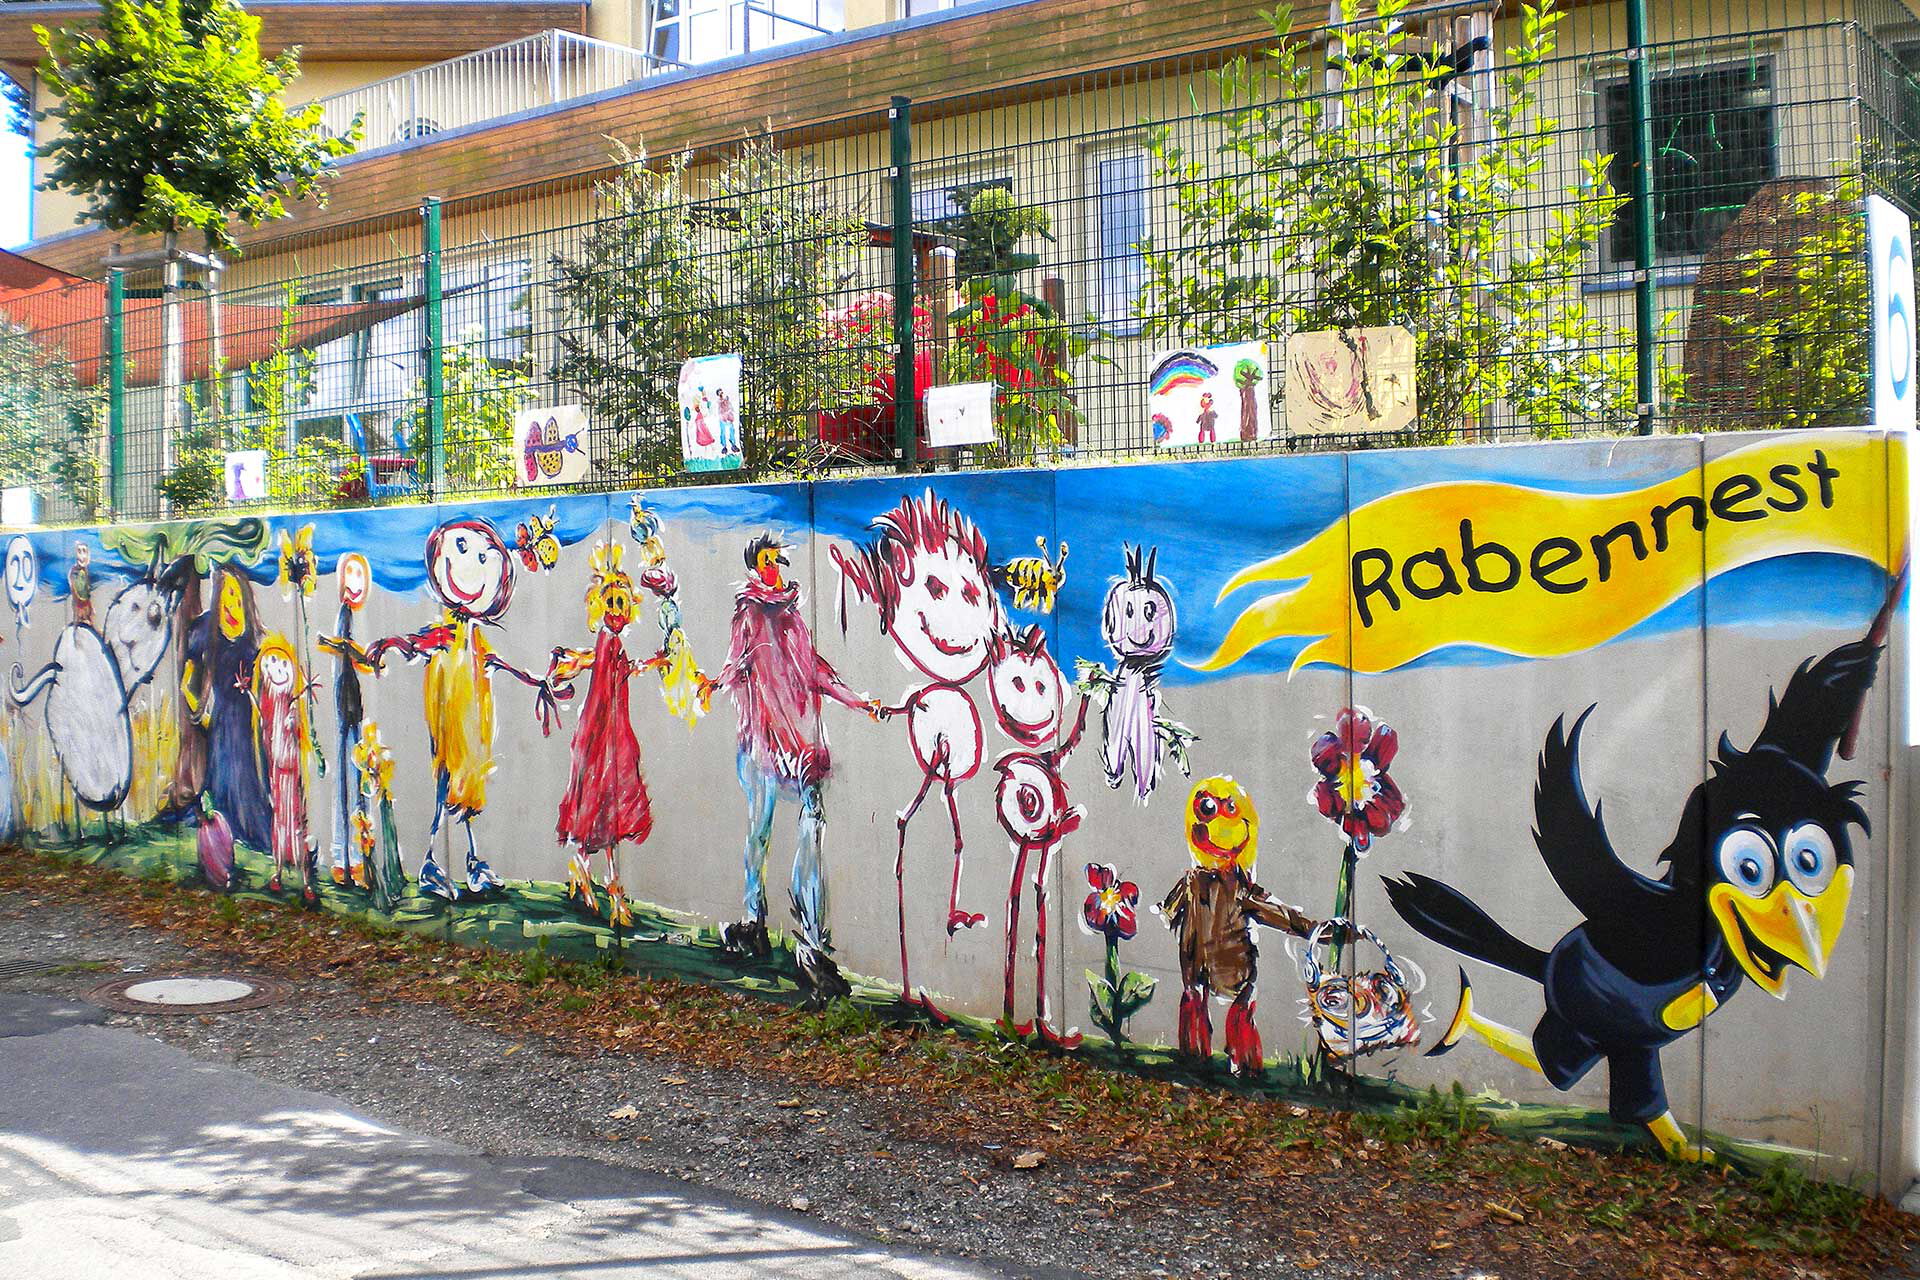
x=536 y=71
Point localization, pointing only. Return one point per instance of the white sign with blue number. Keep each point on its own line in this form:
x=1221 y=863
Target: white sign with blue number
x=1890 y=244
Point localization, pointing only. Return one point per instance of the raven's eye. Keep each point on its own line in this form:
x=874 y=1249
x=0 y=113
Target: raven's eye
x=1810 y=859
x=1748 y=860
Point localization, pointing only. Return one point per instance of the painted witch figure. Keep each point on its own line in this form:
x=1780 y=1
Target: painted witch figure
x=606 y=797
x=278 y=692
x=929 y=575
x=221 y=651
x=1212 y=911
x=470 y=573
x=1139 y=624
x=777 y=679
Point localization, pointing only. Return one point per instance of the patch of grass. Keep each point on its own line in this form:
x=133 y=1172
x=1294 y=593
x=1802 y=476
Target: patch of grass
x=842 y=1020
x=536 y=966
x=1447 y=1119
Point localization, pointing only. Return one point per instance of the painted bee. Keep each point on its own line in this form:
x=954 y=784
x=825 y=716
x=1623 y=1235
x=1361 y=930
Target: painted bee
x=534 y=539
x=1034 y=580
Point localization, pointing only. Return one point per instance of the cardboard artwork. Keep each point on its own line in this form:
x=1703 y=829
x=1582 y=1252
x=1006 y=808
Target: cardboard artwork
x=1345 y=380
x=1210 y=395
x=710 y=413
x=246 y=473
x=551 y=446
x=960 y=414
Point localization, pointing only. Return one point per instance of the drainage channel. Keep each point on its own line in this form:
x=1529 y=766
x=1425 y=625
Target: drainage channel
x=188 y=993
x=34 y=968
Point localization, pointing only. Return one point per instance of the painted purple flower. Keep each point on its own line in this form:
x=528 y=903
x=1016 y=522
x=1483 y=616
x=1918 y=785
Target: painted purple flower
x=1110 y=908
x=1354 y=789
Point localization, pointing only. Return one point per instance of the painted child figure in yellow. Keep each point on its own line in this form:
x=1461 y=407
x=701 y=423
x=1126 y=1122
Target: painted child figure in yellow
x=471 y=574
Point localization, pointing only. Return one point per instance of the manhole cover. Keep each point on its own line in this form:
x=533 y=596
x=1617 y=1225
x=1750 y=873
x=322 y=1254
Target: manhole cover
x=217 y=993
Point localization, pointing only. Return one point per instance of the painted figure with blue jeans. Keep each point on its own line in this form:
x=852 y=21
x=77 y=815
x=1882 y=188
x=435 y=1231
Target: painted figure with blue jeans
x=777 y=678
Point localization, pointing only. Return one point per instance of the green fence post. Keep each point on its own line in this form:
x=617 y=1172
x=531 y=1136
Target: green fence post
x=436 y=348
x=1640 y=100
x=906 y=395
x=117 y=390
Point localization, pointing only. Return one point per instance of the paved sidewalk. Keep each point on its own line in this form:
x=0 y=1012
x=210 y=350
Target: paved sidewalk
x=124 y=1158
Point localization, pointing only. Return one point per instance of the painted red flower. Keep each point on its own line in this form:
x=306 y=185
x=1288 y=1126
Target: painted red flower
x=1354 y=788
x=1110 y=907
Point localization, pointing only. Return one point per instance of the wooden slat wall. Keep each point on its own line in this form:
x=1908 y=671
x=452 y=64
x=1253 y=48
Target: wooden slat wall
x=349 y=31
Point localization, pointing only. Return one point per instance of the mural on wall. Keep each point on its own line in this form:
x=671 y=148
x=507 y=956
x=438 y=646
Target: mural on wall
x=1029 y=702
x=1139 y=625
x=1634 y=977
x=777 y=678
x=929 y=576
x=1480 y=593
x=470 y=574
x=354 y=578
x=605 y=802
x=1212 y=910
x=88 y=687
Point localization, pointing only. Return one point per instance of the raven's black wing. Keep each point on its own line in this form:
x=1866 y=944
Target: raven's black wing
x=1573 y=843
x=1821 y=700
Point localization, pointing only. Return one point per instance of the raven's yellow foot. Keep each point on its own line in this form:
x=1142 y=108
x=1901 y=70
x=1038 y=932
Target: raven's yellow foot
x=1516 y=1046
x=1673 y=1140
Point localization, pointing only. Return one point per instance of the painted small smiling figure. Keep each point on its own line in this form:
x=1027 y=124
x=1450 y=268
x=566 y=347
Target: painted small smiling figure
x=1212 y=911
x=470 y=572
x=929 y=575
x=1028 y=695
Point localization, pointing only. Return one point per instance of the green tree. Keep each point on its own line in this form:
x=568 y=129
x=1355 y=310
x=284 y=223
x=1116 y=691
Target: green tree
x=52 y=429
x=171 y=120
x=1371 y=205
x=663 y=276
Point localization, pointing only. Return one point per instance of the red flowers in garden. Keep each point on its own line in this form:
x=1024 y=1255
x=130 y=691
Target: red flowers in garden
x=1354 y=789
x=1110 y=908
x=1007 y=341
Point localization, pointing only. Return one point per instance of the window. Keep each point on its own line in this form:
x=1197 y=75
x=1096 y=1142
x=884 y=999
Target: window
x=945 y=198
x=488 y=307
x=697 y=31
x=1119 y=182
x=1714 y=139
x=917 y=7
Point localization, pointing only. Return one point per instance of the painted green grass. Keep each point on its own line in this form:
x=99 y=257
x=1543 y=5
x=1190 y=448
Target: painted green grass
x=534 y=914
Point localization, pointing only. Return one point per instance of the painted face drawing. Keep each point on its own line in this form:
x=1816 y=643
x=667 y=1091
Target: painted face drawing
x=231 y=607
x=356 y=580
x=22 y=573
x=1026 y=687
x=947 y=612
x=469 y=570
x=276 y=669
x=1138 y=621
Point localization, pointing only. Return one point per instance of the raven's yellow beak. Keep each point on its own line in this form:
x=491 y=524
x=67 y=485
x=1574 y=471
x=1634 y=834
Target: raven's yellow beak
x=1784 y=928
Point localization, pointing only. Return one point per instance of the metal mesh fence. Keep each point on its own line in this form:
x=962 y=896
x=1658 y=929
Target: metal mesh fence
x=1411 y=226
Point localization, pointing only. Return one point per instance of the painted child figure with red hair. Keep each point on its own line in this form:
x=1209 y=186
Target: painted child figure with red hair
x=279 y=696
x=606 y=797
x=928 y=574
x=1212 y=911
x=778 y=679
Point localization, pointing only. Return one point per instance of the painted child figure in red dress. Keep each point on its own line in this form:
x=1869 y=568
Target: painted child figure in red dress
x=278 y=693
x=606 y=796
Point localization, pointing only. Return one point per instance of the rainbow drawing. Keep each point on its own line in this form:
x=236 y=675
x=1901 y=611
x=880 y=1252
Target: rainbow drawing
x=1181 y=369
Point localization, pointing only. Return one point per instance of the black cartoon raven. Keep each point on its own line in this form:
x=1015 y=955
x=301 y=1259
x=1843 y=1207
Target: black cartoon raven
x=1761 y=862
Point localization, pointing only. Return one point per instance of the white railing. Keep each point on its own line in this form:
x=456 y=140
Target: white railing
x=536 y=71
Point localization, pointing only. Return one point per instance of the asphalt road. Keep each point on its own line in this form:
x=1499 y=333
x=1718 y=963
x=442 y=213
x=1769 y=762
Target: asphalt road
x=126 y=1159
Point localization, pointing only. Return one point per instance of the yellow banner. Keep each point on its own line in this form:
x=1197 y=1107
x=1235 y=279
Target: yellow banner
x=1538 y=574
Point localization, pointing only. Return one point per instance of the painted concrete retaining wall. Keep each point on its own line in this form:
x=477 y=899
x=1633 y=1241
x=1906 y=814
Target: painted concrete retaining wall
x=1408 y=663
